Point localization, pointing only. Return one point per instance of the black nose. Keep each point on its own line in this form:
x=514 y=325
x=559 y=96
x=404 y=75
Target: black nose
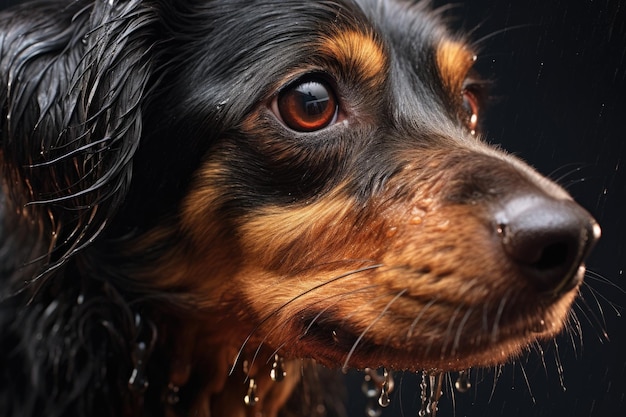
x=548 y=239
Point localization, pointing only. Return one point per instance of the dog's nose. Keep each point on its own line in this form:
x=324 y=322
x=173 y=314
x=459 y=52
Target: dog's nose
x=548 y=239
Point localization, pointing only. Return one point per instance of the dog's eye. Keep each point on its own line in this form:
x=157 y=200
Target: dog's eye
x=307 y=107
x=471 y=106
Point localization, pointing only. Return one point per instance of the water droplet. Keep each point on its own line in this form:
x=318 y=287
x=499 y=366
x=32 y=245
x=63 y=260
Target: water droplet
x=278 y=372
x=436 y=381
x=172 y=397
x=392 y=231
x=463 y=383
x=423 y=395
x=221 y=104
x=430 y=388
x=370 y=387
x=371 y=410
x=384 y=400
x=251 y=399
x=245 y=367
x=417 y=215
x=385 y=389
x=138 y=380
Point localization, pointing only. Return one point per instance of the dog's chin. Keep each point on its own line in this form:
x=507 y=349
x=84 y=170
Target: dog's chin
x=334 y=342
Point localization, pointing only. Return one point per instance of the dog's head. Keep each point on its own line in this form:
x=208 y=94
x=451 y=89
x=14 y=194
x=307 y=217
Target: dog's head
x=302 y=176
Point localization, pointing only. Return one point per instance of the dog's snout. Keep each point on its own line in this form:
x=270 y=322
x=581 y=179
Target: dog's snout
x=548 y=239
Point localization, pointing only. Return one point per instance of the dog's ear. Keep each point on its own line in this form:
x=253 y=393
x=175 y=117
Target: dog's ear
x=73 y=84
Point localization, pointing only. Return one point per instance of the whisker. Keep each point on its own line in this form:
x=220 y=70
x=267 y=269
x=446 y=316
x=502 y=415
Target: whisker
x=249 y=367
x=604 y=280
x=559 y=364
x=568 y=185
x=499 y=32
x=317 y=316
x=496 y=377
x=419 y=316
x=616 y=308
x=601 y=321
x=574 y=327
x=358 y=340
x=369 y=302
x=275 y=352
x=457 y=338
x=603 y=336
x=530 y=391
x=569 y=169
x=496 y=324
x=340 y=296
x=449 y=329
x=451 y=392
x=276 y=311
x=542 y=356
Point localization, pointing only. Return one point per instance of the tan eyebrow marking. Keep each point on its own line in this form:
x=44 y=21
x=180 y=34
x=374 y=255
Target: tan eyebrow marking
x=357 y=51
x=454 y=60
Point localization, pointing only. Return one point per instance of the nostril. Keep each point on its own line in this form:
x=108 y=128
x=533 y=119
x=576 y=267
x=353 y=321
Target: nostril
x=547 y=239
x=534 y=242
x=553 y=256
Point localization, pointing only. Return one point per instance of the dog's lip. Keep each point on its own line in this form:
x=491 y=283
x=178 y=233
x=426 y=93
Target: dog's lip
x=335 y=343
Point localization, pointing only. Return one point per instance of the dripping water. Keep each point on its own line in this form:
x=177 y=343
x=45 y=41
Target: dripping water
x=463 y=383
x=278 y=372
x=430 y=388
x=385 y=389
x=251 y=398
x=376 y=386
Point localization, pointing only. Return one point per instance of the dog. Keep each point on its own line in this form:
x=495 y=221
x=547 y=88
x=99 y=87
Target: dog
x=206 y=205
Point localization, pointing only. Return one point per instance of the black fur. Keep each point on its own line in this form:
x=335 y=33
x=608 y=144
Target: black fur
x=74 y=78
x=107 y=109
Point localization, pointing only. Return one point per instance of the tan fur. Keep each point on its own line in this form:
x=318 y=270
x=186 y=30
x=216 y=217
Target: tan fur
x=357 y=53
x=454 y=59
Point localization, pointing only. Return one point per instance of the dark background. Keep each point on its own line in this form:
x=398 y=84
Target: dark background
x=558 y=72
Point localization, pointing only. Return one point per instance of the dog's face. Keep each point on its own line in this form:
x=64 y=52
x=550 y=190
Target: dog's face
x=346 y=211
x=309 y=179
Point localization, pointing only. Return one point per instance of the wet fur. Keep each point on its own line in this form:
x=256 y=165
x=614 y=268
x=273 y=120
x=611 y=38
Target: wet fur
x=159 y=224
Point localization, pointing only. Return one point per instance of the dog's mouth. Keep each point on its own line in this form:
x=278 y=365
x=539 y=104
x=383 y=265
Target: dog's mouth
x=443 y=337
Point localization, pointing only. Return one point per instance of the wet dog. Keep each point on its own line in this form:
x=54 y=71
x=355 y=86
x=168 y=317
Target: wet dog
x=206 y=203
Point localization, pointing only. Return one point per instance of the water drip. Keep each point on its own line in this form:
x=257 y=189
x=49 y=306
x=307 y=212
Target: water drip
x=251 y=399
x=278 y=372
x=385 y=389
x=369 y=387
x=430 y=388
x=172 y=396
x=463 y=383
x=378 y=386
x=138 y=381
x=371 y=410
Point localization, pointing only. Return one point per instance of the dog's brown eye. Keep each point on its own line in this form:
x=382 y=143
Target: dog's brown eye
x=471 y=107
x=308 y=106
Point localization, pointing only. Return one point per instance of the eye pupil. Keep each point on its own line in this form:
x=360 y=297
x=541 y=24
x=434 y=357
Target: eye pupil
x=308 y=106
